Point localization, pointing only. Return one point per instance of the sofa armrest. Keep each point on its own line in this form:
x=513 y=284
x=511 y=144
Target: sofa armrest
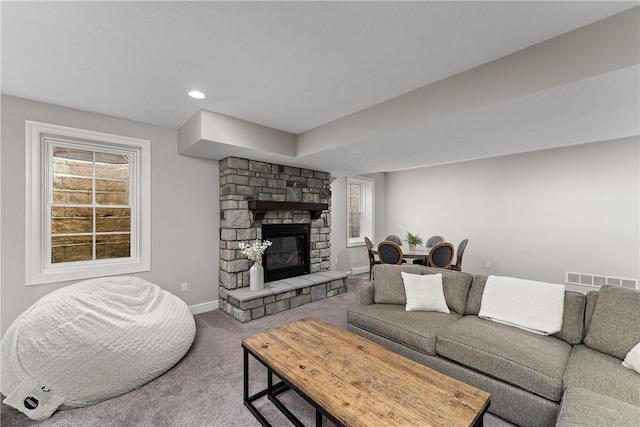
x=366 y=293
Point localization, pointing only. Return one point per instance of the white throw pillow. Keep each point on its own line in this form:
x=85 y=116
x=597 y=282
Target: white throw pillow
x=424 y=292
x=632 y=360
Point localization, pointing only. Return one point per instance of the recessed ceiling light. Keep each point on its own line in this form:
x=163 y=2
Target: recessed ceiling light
x=196 y=94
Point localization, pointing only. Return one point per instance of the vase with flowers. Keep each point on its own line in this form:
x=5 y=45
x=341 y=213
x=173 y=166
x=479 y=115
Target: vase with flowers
x=254 y=252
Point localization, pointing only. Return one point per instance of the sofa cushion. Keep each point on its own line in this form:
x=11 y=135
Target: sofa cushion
x=592 y=301
x=582 y=407
x=415 y=329
x=602 y=373
x=366 y=293
x=532 y=362
x=474 y=300
x=388 y=284
x=615 y=324
x=572 y=319
x=389 y=287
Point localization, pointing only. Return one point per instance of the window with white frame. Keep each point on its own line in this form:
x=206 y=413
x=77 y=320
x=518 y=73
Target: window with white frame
x=359 y=210
x=88 y=204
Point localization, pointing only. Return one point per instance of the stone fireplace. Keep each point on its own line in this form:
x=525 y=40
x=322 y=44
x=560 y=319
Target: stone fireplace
x=295 y=204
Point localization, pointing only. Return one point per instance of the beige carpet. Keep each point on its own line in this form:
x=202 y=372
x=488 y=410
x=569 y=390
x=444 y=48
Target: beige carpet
x=205 y=387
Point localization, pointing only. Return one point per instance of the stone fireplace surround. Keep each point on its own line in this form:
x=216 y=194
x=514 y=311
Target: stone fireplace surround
x=295 y=196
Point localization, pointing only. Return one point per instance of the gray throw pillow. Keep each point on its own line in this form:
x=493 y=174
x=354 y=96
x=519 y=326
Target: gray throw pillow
x=475 y=295
x=615 y=324
x=389 y=287
x=456 y=285
x=592 y=300
x=388 y=284
x=573 y=318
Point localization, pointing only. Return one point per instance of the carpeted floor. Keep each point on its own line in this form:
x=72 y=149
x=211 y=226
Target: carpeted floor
x=205 y=387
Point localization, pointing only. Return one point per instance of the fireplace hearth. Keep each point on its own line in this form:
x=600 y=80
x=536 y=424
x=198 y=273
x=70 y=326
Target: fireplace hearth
x=289 y=254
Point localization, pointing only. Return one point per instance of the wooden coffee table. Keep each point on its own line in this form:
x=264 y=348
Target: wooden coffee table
x=355 y=382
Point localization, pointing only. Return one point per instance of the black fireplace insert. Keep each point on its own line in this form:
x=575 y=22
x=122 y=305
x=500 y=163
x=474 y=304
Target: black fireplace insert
x=289 y=253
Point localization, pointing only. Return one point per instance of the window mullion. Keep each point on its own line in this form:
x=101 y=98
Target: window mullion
x=363 y=210
x=94 y=238
x=133 y=201
x=48 y=197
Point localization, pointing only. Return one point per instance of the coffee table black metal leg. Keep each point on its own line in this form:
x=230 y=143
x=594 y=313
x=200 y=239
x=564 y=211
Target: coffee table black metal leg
x=480 y=420
x=248 y=400
x=245 y=376
x=318 y=418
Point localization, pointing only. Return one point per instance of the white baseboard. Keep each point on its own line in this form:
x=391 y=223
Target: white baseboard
x=204 y=307
x=360 y=270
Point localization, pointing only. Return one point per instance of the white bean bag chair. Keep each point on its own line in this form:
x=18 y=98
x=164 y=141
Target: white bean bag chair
x=90 y=342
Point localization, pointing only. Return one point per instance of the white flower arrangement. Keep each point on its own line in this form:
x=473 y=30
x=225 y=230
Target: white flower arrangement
x=254 y=252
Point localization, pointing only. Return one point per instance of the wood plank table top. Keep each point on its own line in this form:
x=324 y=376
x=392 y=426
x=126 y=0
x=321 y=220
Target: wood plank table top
x=361 y=383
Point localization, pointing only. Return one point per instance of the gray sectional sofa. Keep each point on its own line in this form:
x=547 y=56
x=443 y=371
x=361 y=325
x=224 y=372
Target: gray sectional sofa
x=572 y=378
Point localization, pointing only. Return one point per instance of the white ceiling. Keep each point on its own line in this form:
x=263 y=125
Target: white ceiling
x=295 y=66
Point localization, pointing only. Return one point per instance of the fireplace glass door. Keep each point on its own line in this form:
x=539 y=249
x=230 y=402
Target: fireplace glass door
x=288 y=255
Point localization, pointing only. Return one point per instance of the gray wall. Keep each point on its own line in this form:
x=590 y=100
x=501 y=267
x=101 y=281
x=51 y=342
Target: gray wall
x=355 y=257
x=534 y=215
x=184 y=207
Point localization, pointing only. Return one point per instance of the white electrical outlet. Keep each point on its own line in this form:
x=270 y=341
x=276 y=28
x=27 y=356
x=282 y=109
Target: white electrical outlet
x=184 y=287
x=488 y=264
x=335 y=261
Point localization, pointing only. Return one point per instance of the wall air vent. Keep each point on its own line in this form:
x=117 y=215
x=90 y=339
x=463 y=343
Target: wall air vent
x=597 y=280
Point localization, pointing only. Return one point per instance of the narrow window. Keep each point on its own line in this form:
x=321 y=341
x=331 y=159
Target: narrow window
x=88 y=204
x=356 y=197
x=359 y=210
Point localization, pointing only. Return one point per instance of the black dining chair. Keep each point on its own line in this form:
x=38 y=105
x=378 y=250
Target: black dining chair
x=390 y=253
x=395 y=239
x=431 y=242
x=372 y=258
x=461 y=247
x=441 y=256
x=434 y=240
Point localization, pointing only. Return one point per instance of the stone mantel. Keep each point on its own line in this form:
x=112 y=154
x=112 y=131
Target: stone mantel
x=260 y=208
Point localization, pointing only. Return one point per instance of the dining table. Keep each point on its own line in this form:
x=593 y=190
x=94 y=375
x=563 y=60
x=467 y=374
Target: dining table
x=418 y=253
